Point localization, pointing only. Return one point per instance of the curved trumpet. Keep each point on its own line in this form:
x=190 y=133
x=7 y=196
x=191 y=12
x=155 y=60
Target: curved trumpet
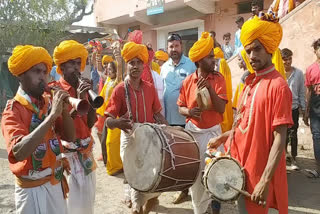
x=81 y=106
x=95 y=100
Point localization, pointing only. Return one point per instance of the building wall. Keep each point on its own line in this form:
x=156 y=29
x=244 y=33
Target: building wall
x=109 y=9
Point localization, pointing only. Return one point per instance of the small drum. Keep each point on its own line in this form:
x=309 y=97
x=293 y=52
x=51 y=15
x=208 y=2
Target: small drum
x=203 y=99
x=221 y=171
x=161 y=159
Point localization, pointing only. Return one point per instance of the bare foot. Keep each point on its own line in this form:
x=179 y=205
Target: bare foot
x=128 y=203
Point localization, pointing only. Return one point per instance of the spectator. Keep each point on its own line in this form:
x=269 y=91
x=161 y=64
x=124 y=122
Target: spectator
x=295 y=81
x=226 y=47
x=216 y=43
x=282 y=7
x=237 y=44
x=255 y=8
x=54 y=75
x=313 y=104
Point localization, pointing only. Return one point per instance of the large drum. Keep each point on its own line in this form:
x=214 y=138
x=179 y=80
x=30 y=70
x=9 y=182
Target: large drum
x=221 y=172
x=161 y=158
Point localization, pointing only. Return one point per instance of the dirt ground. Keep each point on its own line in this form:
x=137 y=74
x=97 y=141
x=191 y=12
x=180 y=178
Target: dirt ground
x=304 y=193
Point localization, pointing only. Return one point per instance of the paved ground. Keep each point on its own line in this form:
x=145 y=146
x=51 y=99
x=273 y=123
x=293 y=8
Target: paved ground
x=304 y=193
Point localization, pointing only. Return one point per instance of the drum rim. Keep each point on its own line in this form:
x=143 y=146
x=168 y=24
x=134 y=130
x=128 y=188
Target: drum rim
x=205 y=178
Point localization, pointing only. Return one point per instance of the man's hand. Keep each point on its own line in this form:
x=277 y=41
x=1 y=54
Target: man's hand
x=84 y=86
x=124 y=124
x=195 y=112
x=203 y=83
x=215 y=142
x=58 y=103
x=260 y=193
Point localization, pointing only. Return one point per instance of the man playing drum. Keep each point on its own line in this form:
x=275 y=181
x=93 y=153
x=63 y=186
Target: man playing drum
x=70 y=58
x=202 y=123
x=264 y=113
x=30 y=129
x=144 y=107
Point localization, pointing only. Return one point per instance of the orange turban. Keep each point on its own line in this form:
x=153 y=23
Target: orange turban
x=161 y=55
x=25 y=57
x=201 y=48
x=218 y=53
x=106 y=59
x=266 y=29
x=132 y=50
x=69 y=50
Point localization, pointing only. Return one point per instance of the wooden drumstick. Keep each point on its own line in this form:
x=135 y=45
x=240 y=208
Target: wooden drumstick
x=243 y=192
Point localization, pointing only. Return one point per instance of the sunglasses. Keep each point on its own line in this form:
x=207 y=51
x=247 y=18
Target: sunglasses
x=173 y=37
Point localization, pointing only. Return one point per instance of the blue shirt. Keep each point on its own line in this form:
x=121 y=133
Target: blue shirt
x=237 y=43
x=54 y=74
x=173 y=77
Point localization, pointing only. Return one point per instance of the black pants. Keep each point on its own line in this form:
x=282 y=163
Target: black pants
x=292 y=135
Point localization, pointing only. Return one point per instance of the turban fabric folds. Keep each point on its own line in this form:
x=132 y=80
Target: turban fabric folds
x=201 y=48
x=266 y=29
x=106 y=59
x=161 y=55
x=218 y=53
x=69 y=50
x=25 y=57
x=132 y=50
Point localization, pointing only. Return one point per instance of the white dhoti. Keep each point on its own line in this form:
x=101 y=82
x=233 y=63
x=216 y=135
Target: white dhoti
x=200 y=196
x=137 y=198
x=82 y=187
x=44 y=199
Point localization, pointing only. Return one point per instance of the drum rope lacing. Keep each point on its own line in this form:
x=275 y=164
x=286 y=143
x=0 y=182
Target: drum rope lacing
x=167 y=147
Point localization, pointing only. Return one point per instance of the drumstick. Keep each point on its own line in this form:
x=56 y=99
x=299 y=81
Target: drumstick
x=245 y=193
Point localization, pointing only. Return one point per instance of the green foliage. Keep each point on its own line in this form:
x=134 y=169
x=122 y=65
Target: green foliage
x=37 y=22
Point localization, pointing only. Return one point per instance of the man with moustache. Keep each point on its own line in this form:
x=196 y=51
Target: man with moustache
x=173 y=72
x=144 y=107
x=70 y=58
x=30 y=129
x=258 y=138
x=255 y=9
x=203 y=123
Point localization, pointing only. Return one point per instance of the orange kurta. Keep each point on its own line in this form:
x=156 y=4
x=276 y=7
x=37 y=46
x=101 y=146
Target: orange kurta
x=267 y=106
x=188 y=98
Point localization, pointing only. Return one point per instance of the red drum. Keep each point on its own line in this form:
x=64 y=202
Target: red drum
x=161 y=158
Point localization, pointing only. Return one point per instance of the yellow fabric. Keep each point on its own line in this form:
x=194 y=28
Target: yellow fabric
x=132 y=50
x=290 y=7
x=246 y=61
x=269 y=33
x=114 y=163
x=237 y=95
x=161 y=55
x=25 y=57
x=218 y=53
x=201 y=48
x=156 y=67
x=106 y=94
x=106 y=59
x=278 y=63
x=69 y=50
x=227 y=122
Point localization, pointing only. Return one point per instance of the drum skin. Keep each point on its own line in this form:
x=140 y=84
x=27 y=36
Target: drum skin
x=220 y=171
x=148 y=163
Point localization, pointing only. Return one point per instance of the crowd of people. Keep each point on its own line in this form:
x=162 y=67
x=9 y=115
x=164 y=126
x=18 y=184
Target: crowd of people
x=49 y=140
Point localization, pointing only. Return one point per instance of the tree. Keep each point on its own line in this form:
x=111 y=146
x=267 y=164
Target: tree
x=37 y=22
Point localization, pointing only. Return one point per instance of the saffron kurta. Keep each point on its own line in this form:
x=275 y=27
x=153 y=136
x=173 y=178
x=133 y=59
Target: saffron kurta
x=267 y=103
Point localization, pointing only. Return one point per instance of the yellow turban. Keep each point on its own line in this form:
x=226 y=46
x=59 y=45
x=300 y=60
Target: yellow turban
x=201 y=48
x=132 y=50
x=218 y=53
x=161 y=55
x=25 y=57
x=69 y=50
x=106 y=59
x=269 y=33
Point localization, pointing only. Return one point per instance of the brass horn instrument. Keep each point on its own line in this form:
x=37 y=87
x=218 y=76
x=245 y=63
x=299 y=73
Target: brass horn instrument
x=81 y=106
x=95 y=100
